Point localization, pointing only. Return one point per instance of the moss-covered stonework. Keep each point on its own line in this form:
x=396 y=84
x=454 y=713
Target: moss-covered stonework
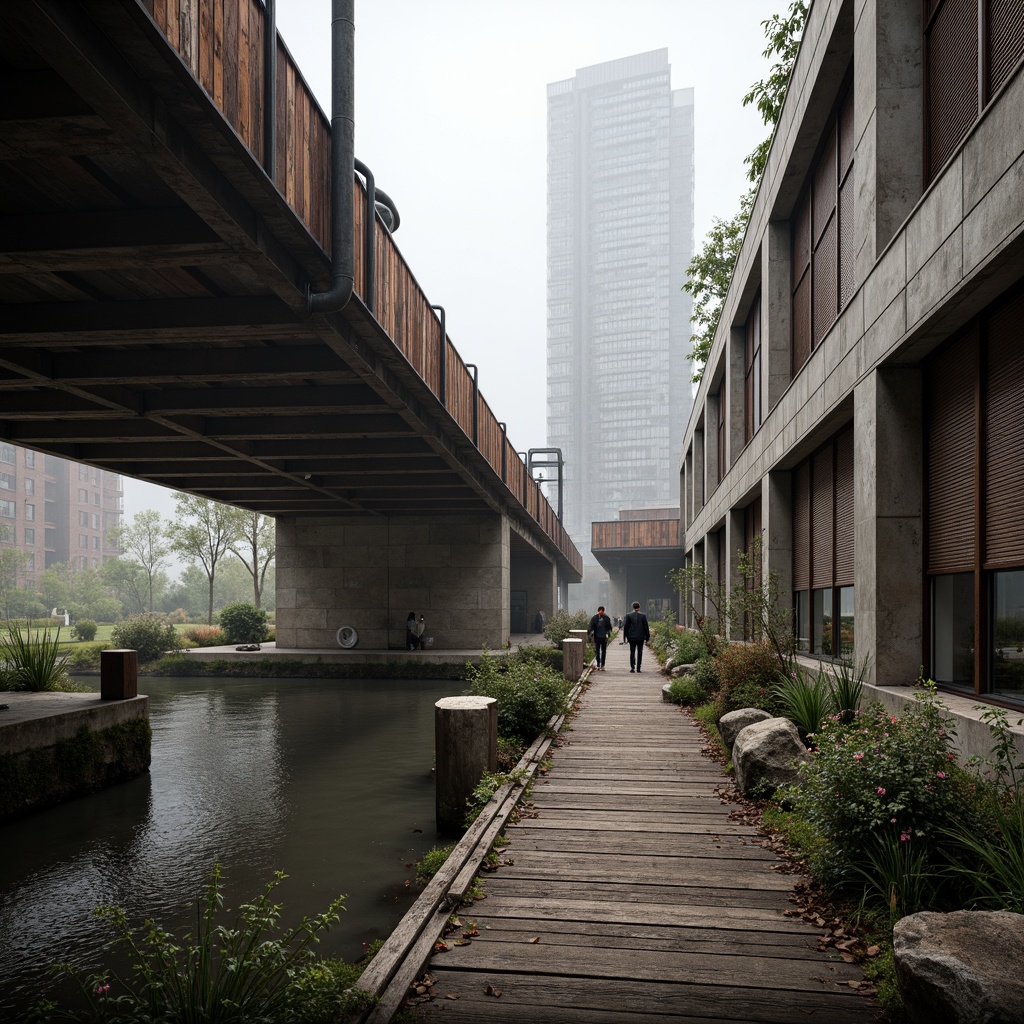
x=83 y=763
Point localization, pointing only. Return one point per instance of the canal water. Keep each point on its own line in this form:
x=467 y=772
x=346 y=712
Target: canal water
x=327 y=780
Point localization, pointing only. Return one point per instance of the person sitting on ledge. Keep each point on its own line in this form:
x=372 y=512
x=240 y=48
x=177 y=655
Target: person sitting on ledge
x=412 y=640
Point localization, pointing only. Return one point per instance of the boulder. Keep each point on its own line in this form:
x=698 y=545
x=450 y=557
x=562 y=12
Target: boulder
x=966 y=967
x=682 y=670
x=766 y=754
x=730 y=725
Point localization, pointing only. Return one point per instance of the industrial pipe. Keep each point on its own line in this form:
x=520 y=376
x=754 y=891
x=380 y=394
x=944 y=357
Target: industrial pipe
x=342 y=162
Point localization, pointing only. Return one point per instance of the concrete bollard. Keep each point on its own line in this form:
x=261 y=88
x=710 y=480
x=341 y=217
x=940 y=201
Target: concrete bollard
x=119 y=675
x=465 y=746
x=579 y=634
x=572 y=658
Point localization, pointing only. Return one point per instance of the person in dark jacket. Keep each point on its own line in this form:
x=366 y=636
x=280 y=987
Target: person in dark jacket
x=600 y=629
x=637 y=632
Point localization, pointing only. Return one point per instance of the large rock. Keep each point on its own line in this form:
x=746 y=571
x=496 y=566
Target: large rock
x=765 y=755
x=966 y=967
x=730 y=725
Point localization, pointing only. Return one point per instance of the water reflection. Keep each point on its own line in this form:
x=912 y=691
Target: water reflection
x=328 y=780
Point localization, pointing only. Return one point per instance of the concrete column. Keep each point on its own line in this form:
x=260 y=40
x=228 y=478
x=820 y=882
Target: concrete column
x=776 y=311
x=119 y=674
x=572 y=657
x=698 y=559
x=734 y=540
x=735 y=421
x=889 y=539
x=370 y=573
x=688 y=487
x=618 y=596
x=699 y=483
x=465 y=746
x=711 y=452
x=538 y=577
x=887 y=111
x=777 y=538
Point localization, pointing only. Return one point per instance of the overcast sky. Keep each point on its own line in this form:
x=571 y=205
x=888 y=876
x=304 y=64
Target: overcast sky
x=451 y=117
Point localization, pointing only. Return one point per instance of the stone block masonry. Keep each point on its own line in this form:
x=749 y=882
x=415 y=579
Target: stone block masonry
x=369 y=573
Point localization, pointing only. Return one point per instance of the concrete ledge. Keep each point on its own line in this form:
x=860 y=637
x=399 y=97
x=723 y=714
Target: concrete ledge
x=36 y=720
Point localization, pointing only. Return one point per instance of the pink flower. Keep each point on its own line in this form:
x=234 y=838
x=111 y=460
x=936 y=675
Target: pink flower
x=880 y=791
x=892 y=821
x=904 y=837
x=102 y=990
x=858 y=756
x=941 y=775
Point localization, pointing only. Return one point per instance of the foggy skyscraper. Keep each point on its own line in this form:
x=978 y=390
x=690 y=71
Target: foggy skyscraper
x=620 y=237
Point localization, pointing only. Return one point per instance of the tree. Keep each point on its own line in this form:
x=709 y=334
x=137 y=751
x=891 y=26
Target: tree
x=144 y=539
x=255 y=547
x=783 y=35
x=708 y=277
x=12 y=569
x=128 y=579
x=202 y=532
x=710 y=271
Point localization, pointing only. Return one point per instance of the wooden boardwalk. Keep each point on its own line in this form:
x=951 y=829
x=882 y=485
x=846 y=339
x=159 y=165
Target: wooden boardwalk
x=632 y=896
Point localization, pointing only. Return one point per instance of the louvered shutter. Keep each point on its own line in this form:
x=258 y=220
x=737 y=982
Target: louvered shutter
x=952 y=93
x=844 y=509
x=1004 y=435
x=801 y=527
x=1006 y=40
x=951 y=458
x=822 y=522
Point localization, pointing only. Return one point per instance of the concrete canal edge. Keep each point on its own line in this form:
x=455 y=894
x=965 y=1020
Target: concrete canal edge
x=406 y=951
x=58 y=746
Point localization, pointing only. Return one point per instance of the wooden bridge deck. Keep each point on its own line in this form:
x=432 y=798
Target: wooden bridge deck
x=632 y=896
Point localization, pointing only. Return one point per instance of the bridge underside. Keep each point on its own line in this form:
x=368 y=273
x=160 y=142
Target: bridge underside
x=153 y=300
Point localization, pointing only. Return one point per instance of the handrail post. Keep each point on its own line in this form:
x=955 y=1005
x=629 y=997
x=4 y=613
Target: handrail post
x=504 y=452
x=476 y=403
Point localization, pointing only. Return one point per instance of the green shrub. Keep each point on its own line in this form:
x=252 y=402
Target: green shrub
x=689 y=647
x=528 y=692
x=431 y=862
x=747 y=674
x=561 y=622
x=883 y=775
x=687 y=690
x=705 y=674
x=489 y=784
x=204 y=636
x=242 y=971
x=34 y=661
x=806 y=700
x=83 y=657
x=149 y=635
x=662 y=635
x=243 y=623
x=84 y=629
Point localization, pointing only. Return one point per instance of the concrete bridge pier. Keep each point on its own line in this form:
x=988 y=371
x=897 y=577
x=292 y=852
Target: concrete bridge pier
x=459 y=571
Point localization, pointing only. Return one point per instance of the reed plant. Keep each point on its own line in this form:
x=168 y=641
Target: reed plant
x=33 y=661
x=807 y=700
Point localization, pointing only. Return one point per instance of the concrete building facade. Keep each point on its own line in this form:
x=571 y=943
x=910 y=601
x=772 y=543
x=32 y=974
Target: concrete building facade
x=862 y=410
x=55 y=511
x=620 y=237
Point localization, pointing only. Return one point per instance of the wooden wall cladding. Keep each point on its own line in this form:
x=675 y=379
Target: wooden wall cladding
x=221 y=42
x=638 y=533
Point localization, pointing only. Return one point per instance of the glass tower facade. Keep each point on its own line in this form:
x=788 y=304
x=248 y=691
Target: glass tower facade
x=620 y=237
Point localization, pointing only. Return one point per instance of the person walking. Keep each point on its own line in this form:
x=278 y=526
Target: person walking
x=637 y=632
x=600 y=629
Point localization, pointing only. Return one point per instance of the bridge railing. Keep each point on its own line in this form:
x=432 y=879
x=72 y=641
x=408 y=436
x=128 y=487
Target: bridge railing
x=221 y=42
x=638 y=533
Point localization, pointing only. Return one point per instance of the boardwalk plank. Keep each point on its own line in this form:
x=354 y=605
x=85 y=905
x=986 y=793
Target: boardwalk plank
x=628 y=894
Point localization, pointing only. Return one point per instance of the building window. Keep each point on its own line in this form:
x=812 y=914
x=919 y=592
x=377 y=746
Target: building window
x=30 y=459
x=30 y=562
x=83 y=540
x=7 y=508
x=30 y=485
x=961 y=37
x=7 y=453
x=83 y=518
x=720 y=433
x=95 y=543
x=96 y=497
x=752 y=370
x=30 y=536
x=8 y=482
x=823 y=550
x=94 y=519
x=822 y=243
x=30 y=513
x=83 y=473
x=974 y=480
x=83 y=495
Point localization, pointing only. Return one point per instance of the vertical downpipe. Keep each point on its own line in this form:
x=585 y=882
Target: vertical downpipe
x=369 y=238
x=443 y=390
x=342 y=161
x=270 y=89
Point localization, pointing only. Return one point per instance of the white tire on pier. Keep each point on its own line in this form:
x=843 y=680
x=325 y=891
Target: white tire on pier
x=347 y=637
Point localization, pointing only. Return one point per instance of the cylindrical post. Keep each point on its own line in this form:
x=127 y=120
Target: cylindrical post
x=572 y=658
x=465 y=746
x=119 y=675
